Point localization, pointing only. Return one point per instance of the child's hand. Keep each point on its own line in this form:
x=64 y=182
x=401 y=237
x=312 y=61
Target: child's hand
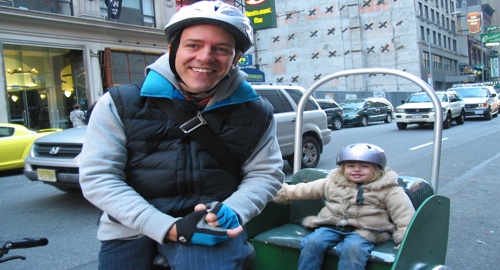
x=282 y=197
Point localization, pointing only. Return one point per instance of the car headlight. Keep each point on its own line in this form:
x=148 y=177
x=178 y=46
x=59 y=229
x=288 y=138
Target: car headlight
x=433 y=109
x=482 y=105
x=399 y=110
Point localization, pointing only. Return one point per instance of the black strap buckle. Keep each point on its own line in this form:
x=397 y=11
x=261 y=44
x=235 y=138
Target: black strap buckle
x=193 y=124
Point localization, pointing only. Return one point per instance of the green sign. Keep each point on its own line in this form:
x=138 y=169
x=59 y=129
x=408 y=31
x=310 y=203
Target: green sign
x=245 y=60
x=492 y=28
x=262 y=13
x=254 y=75
x=490 y=37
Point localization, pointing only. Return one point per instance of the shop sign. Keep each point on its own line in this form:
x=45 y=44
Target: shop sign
x=245 y=60
x=490 y=39
x=492 y=28
x=262 y=13
x=494 y=68
x=254 y=75
x=474 y=22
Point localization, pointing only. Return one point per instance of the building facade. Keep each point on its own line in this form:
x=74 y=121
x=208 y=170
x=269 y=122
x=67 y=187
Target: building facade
x=317 y=38
x=55 y=54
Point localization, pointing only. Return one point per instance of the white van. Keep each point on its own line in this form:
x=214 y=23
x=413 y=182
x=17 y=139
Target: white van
x=480 y=100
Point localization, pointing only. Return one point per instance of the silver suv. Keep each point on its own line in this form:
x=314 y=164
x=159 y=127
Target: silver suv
x=54 y=159
x=315 y=132
x=480 y=100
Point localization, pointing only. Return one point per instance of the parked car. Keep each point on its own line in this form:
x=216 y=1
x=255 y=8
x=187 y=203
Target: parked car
x=480 y=100
x=15 y=144
x=315 y=132
x=418 y=109
x=55 y=159
x=361 y=112
x=334 y=113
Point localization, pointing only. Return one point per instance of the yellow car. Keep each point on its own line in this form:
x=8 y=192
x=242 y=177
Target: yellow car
x=15 y=144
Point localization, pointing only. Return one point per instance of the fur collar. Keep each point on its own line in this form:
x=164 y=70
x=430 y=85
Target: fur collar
x=388 y=179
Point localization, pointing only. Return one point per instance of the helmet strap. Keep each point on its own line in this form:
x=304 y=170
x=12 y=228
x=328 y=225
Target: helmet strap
x=174 y=46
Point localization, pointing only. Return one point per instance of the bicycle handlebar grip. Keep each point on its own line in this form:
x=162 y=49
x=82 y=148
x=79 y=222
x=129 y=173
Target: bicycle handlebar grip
x=27 y=243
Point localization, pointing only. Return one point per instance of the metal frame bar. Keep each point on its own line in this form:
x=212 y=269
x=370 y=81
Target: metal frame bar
x=438 y=123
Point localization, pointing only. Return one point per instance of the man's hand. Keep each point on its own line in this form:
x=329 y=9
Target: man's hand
x=222 y=216
x=193 y=229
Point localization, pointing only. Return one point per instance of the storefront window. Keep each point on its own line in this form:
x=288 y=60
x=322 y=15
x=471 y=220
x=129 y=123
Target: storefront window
x=43 y=84
x=122 y=67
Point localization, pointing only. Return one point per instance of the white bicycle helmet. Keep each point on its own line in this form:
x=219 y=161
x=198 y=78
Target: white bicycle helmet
x=215 y=13
x=363 y=152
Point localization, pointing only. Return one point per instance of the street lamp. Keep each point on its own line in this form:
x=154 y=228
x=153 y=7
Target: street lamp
x=430 y=79
x=482 y=57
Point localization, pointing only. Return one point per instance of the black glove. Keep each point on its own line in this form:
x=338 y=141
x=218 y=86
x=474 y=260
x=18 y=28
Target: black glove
x=193 y=229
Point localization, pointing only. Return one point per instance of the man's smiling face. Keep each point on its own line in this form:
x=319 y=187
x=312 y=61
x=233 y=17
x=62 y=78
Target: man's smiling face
x=205 y=55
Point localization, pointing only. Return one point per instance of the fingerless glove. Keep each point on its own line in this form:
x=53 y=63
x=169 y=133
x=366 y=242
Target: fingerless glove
x=193 y=229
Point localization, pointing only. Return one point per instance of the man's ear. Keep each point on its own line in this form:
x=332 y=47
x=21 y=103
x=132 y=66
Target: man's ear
x=169 y=47
x=237 y=58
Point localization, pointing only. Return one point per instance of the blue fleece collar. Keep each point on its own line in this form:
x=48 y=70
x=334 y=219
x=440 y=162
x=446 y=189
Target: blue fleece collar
x=156 y=85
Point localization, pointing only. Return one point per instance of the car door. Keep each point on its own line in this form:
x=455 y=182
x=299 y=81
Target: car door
x=381 y=110
x=493 y=100
x=13 y=147
x=285 y=118
x=454 y=105
x=371 y=111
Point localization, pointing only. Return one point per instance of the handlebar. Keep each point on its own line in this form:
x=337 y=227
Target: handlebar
x=5 y=247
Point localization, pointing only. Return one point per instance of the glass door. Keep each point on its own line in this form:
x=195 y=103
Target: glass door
x=43 y=84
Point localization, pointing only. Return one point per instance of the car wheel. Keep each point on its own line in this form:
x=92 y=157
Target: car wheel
x=447 y=121
x=388 y=118
x=337 y=123
x=364 y=121
x=402 y=126
x=488 y=115
x=461 y=118
x=310 y=153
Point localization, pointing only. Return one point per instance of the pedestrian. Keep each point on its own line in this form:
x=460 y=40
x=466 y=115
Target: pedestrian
x=160 y=189
x=77 y=116
x=364 y=206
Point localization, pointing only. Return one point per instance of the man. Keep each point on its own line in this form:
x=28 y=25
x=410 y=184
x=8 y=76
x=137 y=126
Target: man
x=148 y=176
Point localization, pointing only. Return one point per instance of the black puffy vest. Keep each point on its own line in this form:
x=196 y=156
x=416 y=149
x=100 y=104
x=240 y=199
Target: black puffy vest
x=170 y=169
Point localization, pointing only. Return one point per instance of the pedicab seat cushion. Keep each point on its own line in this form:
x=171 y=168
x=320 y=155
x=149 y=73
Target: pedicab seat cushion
x=280 y=225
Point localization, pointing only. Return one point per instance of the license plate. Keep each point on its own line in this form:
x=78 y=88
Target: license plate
x=478 y=112
x=416 y=116
x=46 y=175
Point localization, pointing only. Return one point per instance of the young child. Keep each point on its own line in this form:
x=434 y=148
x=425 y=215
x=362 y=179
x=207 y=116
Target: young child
x=364 y=206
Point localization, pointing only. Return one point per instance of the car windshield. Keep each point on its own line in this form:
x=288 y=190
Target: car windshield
x=352 y=104
x=425 y=98
x=472 y=92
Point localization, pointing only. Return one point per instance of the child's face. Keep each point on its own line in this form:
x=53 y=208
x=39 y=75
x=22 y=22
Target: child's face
x=359 y=172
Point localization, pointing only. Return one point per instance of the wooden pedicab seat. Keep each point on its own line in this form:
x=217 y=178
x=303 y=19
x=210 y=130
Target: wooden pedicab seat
x=277 y=232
